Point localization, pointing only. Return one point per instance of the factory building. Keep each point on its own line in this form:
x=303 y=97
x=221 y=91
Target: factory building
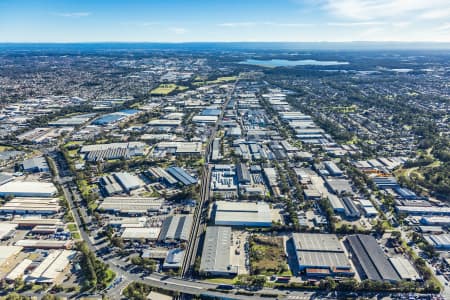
x=44 y=244
x=52 y=268
x=101 y=152
x=7 y=230
x=127 y=181
x=161 y=175
x=144 y=233
x=215 y=153
x=423 y=210
x=7 y=253
x=369 y=259
x=28 y=189
x=35 y=164
x=131 y=205
x=182 y=176
x=176 y=228
x=440 y=242
x=243 y=174
x=252 y=214
x=216 y=255
x=320 y=255
x=174 y=259
x=333 y=169
x=404 y=268
x=42 y=206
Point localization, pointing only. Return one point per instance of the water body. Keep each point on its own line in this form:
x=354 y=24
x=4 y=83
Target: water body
x=292 y=63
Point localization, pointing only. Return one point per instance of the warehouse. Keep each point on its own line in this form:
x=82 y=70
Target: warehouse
x=243 y=174
x=72 y=121
x=223 y=178
x=100 y=152
x=204 y=119
x=4 y=178
x=110 y=186
x=423 y=210
x=128 y=181
x=161 y=175
x=18 y=270
x=369 y=259
x=131 y=205
x=176 y=228
x=440 y=242
x=30 y=222
x=404 y=268
x=52 y=268
x=350 y=209
x=333 y=170
x=44 y=244
x=255 y=214
x=145 y=233
x=339 y=185
x=35 y=164
x=181 y=175
x=215 y=153
x=216 y=255
x=320 y=255
x=174 y=259
x=165 y=123
x=177 y=148
x=8 y=252
x=28 y=189
x=271 y=176
x=44 y=206
x=7 y=230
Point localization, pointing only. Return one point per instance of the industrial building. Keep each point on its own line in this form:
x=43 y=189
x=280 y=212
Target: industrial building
x=44 y=244
x=339 y=185
x=369 y=259
x=404 y=268
x=333 y=169
x=182 y=176
x=423 y=210
x=35 y=164
x=176 y=228
x=4 y=178
x=320 y=255
x=243 y=174
x=18 y=270
x=252 y=214
x=216 y=255
x=51 y=269
x=8 y=252
x=131 y=205
x=28 y=189
x=128 y=181
x=177 y=148
x=223 y=178
x=19 y=205
x=161 y=175
x=174 y=259
x=7 y=230
x=99 y=152
x=144 y=233
x=440 y=241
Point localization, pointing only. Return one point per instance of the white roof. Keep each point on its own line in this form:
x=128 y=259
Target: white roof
x=19 y=270
x=150 y=233
x=28 y=188
x=8 y=251
x=6 y=228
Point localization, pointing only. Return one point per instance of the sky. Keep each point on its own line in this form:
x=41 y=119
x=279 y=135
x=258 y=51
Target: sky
x=224 y=21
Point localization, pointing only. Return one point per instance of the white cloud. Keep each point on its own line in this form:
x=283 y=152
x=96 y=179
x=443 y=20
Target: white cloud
x=178 y=30
x=382 y=9
x=354 y=24
x=237 y=24
x=252 y=24
x=435 y=14
x=73 y=14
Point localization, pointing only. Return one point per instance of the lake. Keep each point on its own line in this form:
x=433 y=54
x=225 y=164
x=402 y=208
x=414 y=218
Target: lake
x=291 y=63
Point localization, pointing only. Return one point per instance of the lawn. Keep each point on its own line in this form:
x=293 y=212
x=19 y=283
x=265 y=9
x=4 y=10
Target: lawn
x=72 y=227
x=4 y=148
x=220 y=280
x=267 y=256
x=216 y=81
x=165 y=89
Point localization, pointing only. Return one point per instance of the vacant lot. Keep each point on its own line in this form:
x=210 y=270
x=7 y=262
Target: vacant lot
x=267 y=256
x=165 y=89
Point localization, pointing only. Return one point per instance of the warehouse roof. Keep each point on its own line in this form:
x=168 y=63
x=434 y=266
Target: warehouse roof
x=149 y=233
x=242 y=213
x=176 y=227
x=181 y=175
x=132 y=204
x=19 y=270
x=36 y=163
x=371 y=258
x=53 y=265
x=28 y=188
x=216 y=251
x=315 y=250
x=7 y=251
x=404 y=268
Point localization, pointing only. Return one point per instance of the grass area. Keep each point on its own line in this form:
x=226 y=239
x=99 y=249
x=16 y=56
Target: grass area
x=216 y=81
x=72 y=227
x=220 y=280
x=73 y=153
x=165 y=89
x=73 y=143
x=267 y=256
x=110 y=275
x=76 y=235
x=5 y=148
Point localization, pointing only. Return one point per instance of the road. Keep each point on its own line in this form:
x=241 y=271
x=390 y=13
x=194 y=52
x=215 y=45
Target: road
x=199 y=214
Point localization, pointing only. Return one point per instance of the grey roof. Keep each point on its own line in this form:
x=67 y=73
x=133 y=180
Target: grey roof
x=176 y=227
x=216 y=250
x=314 y=250
x=36 y=163
x=127 y=181
x=371 y=258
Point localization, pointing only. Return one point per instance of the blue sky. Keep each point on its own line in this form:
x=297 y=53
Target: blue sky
x=231 y=20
